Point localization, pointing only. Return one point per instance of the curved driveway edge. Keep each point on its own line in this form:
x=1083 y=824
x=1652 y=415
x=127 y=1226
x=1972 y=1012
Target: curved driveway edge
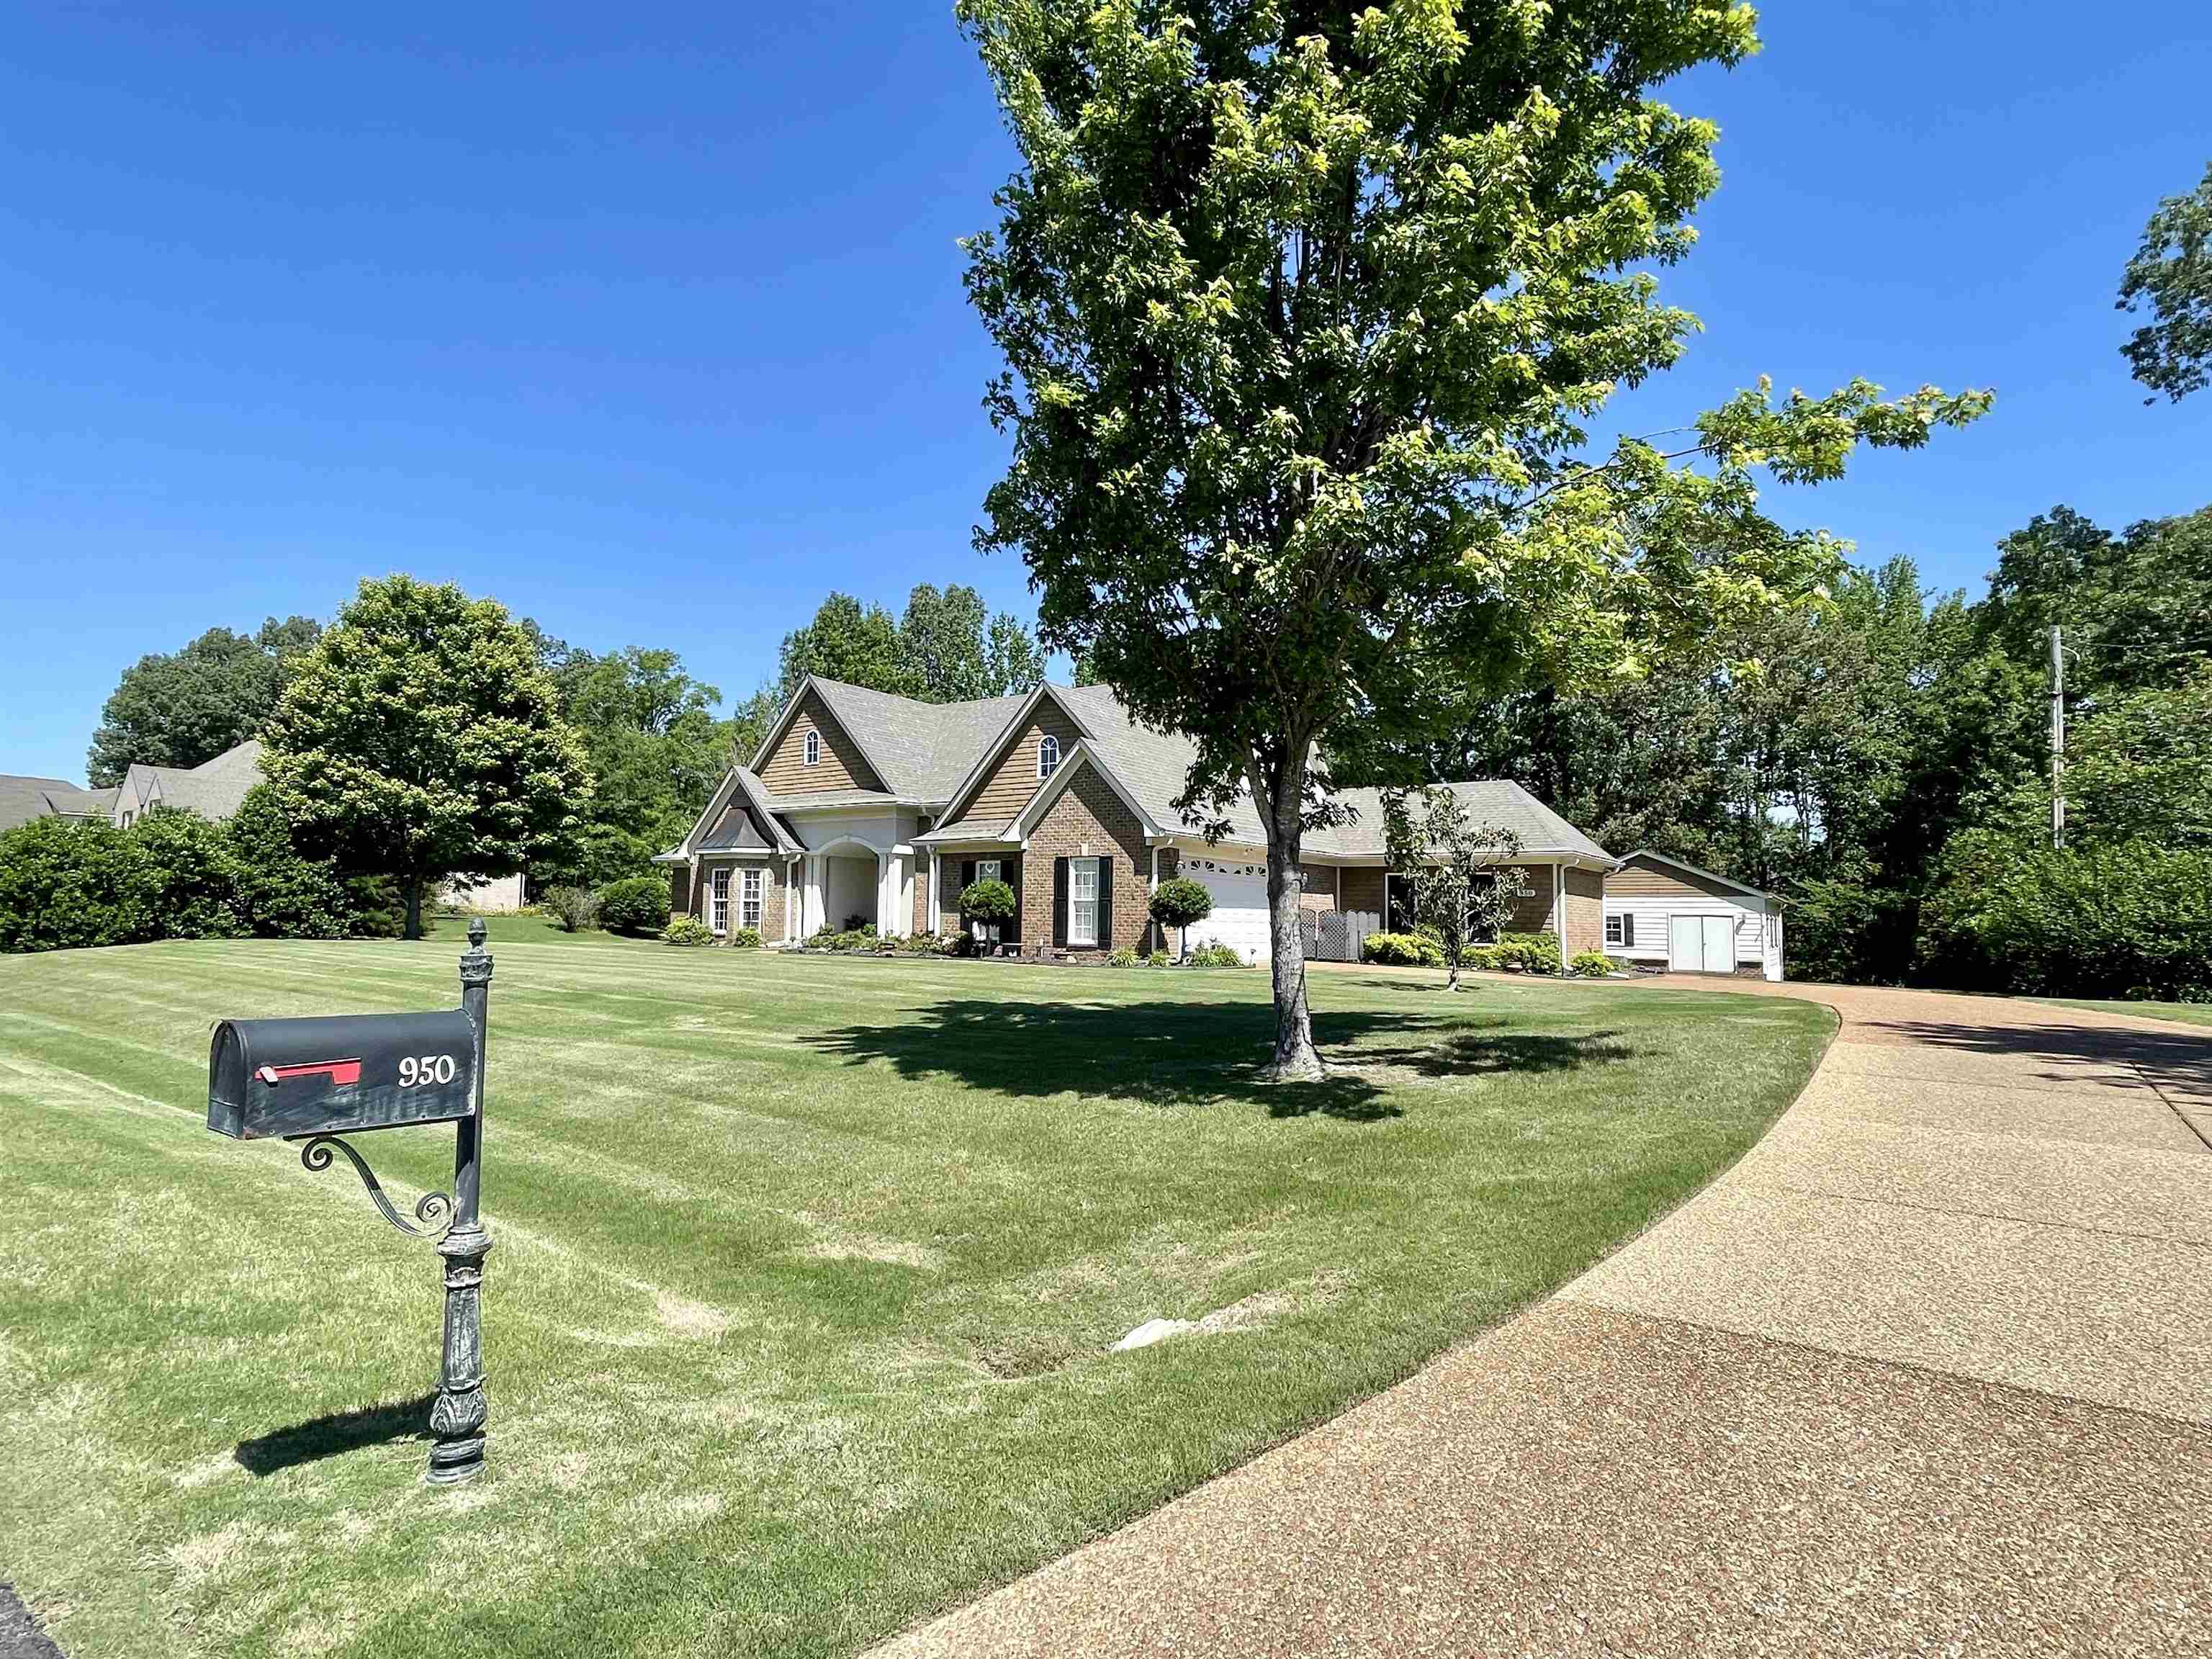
x=1929 y=1372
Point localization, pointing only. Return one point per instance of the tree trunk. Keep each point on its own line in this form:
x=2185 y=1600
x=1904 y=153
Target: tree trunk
x=413 y=928
x=1295 y=1060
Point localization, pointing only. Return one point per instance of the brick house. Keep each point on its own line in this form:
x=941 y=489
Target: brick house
x=864 y=807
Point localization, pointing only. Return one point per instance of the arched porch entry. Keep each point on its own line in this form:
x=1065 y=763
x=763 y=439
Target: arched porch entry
x=848 y=877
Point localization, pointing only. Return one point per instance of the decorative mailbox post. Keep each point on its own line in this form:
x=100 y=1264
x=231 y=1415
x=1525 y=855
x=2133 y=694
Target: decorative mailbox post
x=314 y=1080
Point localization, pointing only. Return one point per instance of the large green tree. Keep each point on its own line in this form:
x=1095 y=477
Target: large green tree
x=2172 y=274
x=421 y=738
x=179 y=709
x=1307 y=309
x=947 y=648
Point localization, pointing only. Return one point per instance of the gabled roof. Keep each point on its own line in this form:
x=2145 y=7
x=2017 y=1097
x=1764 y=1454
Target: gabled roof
x=918 y=750
x=937 y=754
x=214 y=789
x=23 y=798
x=972 y=779
x=1647 y=855
x=1081 y=757
x=740 y=783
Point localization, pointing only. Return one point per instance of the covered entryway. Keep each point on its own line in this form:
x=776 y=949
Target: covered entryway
x=848 y=888
x=1700 y=944
x=1240 y=907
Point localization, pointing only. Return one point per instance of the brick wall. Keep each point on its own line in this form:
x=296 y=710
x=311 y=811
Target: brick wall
x=1362 y=889
x=1318 y=888
x=774 y=893
x=921 y=919
x=1089 y=820
x=1533 y=913
x=1583 y=928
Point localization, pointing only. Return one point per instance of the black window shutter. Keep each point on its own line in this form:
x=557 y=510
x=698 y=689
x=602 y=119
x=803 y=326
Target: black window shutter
x=1011 y=873
x=1059 y=904
x=1106 y=903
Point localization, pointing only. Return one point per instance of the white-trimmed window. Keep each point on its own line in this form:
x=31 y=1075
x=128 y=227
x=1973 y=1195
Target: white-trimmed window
x=748 y=899
x=1083 y=901
x=1048 y=755
x=1615 y=934
x=813 y=747
x=987 y=870
x=717 y=905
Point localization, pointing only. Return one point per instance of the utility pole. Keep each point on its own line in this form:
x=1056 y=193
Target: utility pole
x=2057 y=740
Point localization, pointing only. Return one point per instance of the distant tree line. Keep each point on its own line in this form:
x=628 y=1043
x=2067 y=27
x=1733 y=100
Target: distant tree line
x=1883 y=761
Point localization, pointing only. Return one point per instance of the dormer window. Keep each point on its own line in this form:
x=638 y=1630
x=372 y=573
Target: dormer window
x=813 y=747
x=1048 y=755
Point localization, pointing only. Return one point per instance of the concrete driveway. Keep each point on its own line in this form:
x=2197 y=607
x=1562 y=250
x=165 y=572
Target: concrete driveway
x=1928 y=1373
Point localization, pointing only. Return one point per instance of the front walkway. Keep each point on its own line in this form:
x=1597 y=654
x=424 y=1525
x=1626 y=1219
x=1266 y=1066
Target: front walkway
x=1929 y=1371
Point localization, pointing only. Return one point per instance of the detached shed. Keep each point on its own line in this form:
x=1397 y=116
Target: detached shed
x=1661 y=912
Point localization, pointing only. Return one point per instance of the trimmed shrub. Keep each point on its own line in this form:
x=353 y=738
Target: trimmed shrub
x=1529 y=953
x=637 y=904
x=687 y=930
x=1402 y=950
x=745 y=939
x=1590 y=964
x=573 y=909
x=1178 y=904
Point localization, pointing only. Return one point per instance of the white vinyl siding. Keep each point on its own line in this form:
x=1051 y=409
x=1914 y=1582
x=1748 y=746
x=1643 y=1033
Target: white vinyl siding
x=1083 y=901
x=1647 y=918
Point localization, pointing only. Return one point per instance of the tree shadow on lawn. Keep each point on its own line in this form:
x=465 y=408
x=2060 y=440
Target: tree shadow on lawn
x=335 y=1434
x=1178 y=1054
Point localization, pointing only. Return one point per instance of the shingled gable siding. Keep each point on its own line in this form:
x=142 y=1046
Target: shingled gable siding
x=840 y=767
x=1012 y=778
x=1090 y=820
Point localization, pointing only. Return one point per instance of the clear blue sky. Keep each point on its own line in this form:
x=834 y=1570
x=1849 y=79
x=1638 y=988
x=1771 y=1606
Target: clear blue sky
x=647 y=321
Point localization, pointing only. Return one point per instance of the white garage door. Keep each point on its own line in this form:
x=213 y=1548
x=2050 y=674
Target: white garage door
x=1240 y=907
x=1701 y=944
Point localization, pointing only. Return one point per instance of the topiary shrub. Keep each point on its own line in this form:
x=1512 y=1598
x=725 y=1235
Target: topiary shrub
x=745 y=939
x=638 y=904
x=988 y=901
x=687 y=930
x=1402 y=950
x=1590 y=964
x=1179 y=903
x=573 y=909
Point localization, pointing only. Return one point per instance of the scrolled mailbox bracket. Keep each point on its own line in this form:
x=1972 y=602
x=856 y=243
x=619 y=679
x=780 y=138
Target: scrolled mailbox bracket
x=316 y=1080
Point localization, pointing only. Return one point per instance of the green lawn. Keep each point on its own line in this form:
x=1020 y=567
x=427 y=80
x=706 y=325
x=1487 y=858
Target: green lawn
x=805 y=1277
x=2188 y=1013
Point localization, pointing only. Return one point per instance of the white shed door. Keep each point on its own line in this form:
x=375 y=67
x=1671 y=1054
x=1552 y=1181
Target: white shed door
x=1240 y=907
x=1701 y=944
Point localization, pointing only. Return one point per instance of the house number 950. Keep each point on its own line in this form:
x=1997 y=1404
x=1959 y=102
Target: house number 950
x=430 y=1068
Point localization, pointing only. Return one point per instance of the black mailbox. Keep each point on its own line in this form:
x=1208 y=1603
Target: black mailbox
x=269 y=1078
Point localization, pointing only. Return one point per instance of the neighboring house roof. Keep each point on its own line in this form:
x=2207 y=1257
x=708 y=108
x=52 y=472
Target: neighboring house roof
x=214 y=789
x=1651 y=857
x=23 y=798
